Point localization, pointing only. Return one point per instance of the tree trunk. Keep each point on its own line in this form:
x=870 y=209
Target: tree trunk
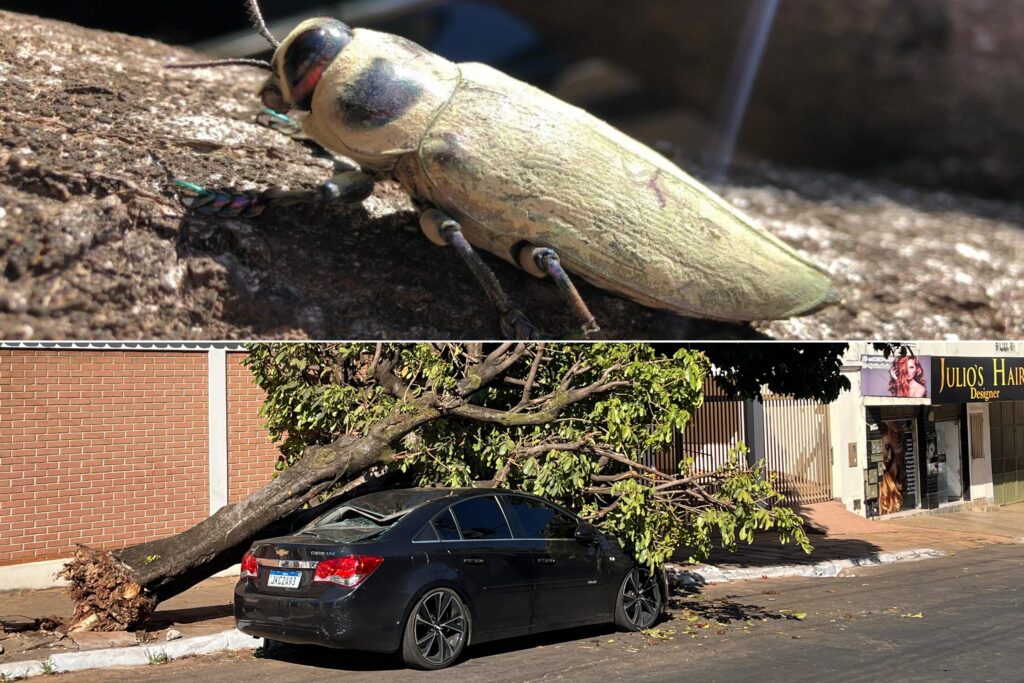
x=119 y=590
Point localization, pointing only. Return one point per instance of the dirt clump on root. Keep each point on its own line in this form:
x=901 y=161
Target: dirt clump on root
x=106 y=596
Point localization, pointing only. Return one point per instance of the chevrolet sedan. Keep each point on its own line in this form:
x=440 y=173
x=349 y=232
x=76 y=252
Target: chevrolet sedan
x=426 y=572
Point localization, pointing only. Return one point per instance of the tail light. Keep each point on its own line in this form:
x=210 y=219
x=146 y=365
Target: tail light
x=249 y=568
x=350 y=570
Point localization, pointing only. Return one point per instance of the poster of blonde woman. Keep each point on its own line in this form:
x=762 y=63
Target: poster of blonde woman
x=890 y=488
x=891 y=478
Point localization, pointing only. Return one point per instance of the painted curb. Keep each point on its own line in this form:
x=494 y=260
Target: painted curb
x=705 y=574
x=136 y=655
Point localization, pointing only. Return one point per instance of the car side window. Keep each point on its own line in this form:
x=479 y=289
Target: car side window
x=481 y=518
x=426 y=534
x=540 y=520
x=444 y=526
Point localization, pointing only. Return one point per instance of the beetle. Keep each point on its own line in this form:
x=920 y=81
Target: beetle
x=496 y=164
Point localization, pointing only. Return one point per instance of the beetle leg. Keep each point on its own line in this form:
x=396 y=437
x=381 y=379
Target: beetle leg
x=445 y=231
x=547 y=262
x=346 y=187
x=283 y=124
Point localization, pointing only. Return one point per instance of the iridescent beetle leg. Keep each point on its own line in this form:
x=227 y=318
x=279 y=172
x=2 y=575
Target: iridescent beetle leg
x=545 y=262
x=441 y=229
x=346 y=187
x=281 y=123
x=219 y=203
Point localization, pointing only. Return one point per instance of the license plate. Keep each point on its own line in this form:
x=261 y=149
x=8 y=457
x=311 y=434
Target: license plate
x=279 y=579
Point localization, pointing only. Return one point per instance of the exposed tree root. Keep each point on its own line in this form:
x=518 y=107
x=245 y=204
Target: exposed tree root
x=105 y=592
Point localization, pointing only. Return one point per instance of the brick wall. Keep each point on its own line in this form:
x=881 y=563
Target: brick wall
x=107 y=448
x=251 y=456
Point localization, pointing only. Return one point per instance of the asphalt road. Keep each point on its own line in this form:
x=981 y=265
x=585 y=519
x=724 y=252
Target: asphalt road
x=954 y=618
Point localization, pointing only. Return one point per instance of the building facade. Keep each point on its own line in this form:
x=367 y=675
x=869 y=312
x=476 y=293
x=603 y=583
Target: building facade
x=943 y=427
x=111 y=445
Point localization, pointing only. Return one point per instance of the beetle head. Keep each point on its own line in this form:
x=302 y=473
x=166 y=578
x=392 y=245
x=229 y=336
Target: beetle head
x=301 y=60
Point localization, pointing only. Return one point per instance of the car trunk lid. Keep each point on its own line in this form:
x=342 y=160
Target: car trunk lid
x=287 y=564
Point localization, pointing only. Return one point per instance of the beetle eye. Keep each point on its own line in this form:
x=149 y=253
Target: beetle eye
x=309 y=55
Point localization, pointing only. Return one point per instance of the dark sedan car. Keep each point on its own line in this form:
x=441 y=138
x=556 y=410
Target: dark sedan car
x=425 y=572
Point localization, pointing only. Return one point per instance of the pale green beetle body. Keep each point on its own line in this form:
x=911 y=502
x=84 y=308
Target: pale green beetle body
x=518 y=167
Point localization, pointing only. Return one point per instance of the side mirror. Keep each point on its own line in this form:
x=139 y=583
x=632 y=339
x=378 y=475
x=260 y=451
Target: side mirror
x=586 y=533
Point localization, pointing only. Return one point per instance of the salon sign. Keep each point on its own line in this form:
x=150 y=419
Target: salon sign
x=971 y=380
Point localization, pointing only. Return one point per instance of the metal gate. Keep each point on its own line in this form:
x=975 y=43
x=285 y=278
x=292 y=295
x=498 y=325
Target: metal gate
x=798 y=449
x=714 y=429
x=1007 y=419
x=796 y=441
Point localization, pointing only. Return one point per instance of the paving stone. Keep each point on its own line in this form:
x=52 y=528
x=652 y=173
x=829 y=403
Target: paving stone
x=103 y=639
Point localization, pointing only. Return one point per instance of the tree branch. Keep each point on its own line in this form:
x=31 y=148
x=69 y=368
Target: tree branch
x=530 y=378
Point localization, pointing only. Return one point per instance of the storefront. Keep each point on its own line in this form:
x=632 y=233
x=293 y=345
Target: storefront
x=923 y=437
x=998 y=382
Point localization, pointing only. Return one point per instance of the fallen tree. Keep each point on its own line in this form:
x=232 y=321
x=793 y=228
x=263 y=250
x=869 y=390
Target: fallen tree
x=568 y=421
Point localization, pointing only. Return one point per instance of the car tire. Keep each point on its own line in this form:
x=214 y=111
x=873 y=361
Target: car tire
x=432 y=638
x=640 y=600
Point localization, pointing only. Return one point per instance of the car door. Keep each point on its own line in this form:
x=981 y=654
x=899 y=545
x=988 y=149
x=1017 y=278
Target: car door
x=497 y=571
x=570 y=584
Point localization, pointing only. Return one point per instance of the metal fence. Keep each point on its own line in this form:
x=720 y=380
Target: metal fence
x=796 y=444
x=714 y=429
x=797 y=449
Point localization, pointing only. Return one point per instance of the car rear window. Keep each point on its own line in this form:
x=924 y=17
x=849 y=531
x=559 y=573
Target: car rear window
x=389 y=503
x=481 y=518
x=540 y=520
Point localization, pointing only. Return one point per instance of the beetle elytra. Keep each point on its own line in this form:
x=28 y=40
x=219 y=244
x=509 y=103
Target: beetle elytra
x=499 y=165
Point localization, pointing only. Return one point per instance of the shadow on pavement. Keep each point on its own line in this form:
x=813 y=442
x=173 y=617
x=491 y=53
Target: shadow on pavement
x=188 y=615
x=766 y=551
x=690 y=605
x=350 y=660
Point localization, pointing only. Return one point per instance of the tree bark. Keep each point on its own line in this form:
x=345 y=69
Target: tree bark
x=94 y=244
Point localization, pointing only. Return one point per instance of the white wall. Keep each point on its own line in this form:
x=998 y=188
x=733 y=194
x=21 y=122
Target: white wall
x=846 y=423
x=218 y=427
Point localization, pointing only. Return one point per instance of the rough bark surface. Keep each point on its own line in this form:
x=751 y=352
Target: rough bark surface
x=93 y=244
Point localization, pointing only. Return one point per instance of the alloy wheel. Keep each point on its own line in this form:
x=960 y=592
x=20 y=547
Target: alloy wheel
x=641 y=598
x=440 y=627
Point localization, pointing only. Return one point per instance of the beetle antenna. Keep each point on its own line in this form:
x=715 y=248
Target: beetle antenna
x=258 y=63
x=257 y=21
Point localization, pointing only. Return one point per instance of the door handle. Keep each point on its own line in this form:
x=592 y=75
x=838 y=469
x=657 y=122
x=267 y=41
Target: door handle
x=472 y=560
x=545 y=560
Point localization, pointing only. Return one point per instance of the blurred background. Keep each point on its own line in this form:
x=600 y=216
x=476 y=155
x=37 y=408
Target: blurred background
x=925 y=92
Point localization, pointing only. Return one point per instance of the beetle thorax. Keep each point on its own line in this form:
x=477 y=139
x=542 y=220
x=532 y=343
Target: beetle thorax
x=378 y=99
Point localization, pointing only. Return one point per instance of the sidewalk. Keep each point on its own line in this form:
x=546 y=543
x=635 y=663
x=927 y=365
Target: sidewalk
x=839 y=535
x=204 y=609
